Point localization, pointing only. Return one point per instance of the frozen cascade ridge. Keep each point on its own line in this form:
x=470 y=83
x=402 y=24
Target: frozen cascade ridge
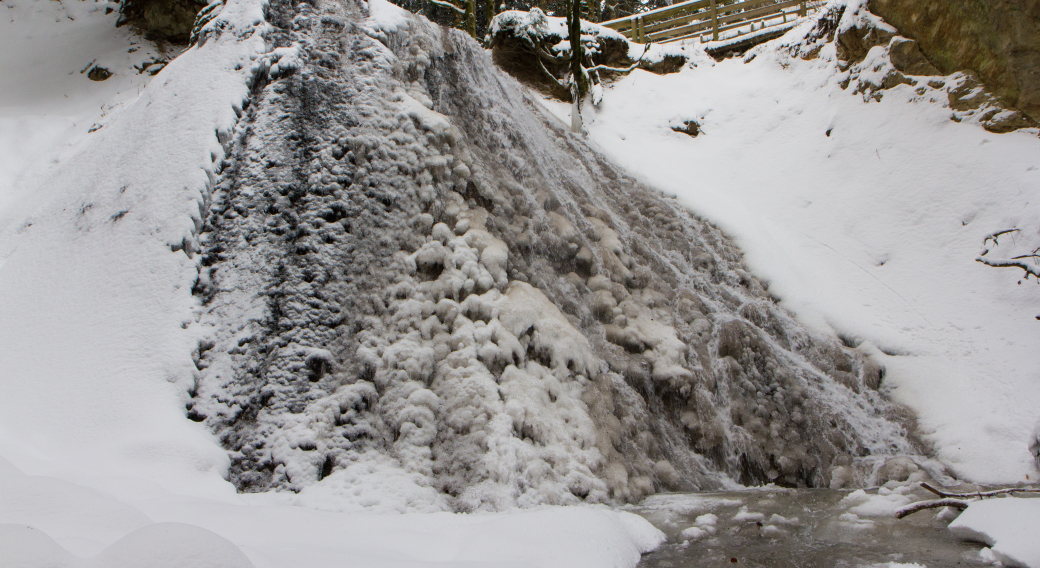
x=412 y=276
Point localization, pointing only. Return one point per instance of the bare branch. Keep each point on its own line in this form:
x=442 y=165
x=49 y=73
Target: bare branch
x=1031 y=269
x=617 y=70
x=993 y=237
x=550 y=75
x=955 y=499
x=543 y=54
x=448 y=5
x=922 y=505
x=980 y=494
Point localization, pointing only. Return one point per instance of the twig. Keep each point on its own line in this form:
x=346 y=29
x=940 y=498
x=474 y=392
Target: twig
x=1034 y=254
x=448 y=5
x=922 y=505
x=979 y=494
x=955 y=499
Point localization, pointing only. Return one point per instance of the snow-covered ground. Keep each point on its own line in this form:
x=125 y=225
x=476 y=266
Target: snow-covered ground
x=98 y=465
x=866 y=218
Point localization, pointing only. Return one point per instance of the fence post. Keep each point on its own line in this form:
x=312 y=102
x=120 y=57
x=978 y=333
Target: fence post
x=714 y=21
x=801 y=8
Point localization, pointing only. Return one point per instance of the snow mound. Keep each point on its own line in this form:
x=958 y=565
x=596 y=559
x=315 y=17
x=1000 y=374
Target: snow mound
x=1007 y=525
x=536 y=49
x=172 y=545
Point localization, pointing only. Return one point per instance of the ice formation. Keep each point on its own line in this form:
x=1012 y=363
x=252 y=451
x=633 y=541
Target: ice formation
x=410 y=273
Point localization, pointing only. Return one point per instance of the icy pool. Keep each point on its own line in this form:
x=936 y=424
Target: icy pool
x=803 y=528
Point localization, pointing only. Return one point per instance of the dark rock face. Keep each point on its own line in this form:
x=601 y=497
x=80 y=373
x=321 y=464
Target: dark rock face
x=855 y=42
x=169 y=20
x=906 y=56
x=903 y=63
x=409 y=268
x=999 y=40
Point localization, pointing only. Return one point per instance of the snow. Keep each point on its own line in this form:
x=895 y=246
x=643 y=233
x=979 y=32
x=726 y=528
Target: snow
x=866 y=219
x=386 y=16
x=98 y=466
x=535 y=25
x=45 y=50
x=47 y=520
x=744 y=516
x=1007 y=525
x=95 y=379
x=884 y=504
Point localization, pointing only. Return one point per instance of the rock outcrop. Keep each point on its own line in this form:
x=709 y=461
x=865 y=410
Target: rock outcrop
x=998 y=41
x=169 y=20
x=876 y=58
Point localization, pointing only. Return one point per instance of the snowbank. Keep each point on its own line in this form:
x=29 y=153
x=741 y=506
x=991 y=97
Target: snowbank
x=94 y=360
x=1007 y=525
x=45 y=521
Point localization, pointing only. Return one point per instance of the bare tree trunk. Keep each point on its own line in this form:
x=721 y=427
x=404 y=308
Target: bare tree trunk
x=577 y=72
x=471 y=18
x=489 y=10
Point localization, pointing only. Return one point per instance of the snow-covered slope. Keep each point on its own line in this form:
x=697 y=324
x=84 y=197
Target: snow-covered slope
x=96 y=343
x=865 y=217
x=93 y=352
x=47 y=102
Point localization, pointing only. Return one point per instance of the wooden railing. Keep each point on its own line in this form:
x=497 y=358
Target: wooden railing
x=700 y=17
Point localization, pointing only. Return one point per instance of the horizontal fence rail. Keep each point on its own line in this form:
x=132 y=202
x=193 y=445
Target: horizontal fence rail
x=700 y=17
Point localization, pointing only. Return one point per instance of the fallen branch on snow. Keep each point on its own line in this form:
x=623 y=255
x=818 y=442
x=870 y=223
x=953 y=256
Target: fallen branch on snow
x=955 y=500
x=1021 y=261
x=922 y=505
x=979 y=494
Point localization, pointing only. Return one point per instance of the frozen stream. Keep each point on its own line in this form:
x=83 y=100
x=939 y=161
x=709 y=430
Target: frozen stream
x=801 y=528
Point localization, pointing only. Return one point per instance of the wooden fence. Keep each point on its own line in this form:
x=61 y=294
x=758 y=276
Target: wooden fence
x=701 y=17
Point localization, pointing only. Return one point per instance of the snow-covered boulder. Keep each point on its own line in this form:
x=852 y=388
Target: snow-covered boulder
x=535 y=48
